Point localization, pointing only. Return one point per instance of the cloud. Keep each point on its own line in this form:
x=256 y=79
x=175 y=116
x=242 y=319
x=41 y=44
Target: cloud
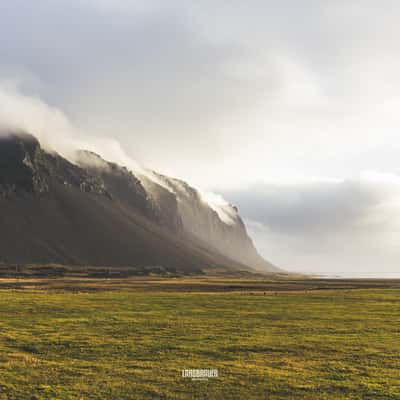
x=333 y=227
x=52 y=127
x=145 y=76
x=29 y=114
x=316 y=207
x=259 y=85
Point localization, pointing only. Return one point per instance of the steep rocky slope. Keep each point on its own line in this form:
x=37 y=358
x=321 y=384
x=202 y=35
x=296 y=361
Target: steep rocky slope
x=93 y=212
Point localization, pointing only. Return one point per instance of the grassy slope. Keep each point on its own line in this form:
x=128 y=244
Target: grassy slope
x=133 y=344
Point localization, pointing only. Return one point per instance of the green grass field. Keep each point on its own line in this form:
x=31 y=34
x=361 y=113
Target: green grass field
x=133 y=344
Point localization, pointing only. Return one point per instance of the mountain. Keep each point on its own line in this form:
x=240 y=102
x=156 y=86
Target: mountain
x=91 y=212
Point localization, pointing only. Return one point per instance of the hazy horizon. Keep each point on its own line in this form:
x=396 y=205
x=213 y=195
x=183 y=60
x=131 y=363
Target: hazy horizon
x=289 y=110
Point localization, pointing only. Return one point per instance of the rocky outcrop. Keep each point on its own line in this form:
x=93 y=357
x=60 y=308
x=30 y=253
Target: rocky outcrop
x=26 y=167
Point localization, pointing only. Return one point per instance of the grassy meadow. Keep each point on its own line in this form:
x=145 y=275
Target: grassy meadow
x=132 y=343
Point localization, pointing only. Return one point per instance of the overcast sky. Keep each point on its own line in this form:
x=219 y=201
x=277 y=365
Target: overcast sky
x=288 y=108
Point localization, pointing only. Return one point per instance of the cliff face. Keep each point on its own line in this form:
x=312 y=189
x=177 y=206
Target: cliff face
x=174 y=204
x=219 y=226
x=93 y=212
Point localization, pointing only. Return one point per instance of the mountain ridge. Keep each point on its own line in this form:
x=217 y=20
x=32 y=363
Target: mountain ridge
x=95 y=212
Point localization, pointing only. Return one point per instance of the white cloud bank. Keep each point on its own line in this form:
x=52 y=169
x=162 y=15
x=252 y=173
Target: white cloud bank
x=23 y=113
x=333 y=227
